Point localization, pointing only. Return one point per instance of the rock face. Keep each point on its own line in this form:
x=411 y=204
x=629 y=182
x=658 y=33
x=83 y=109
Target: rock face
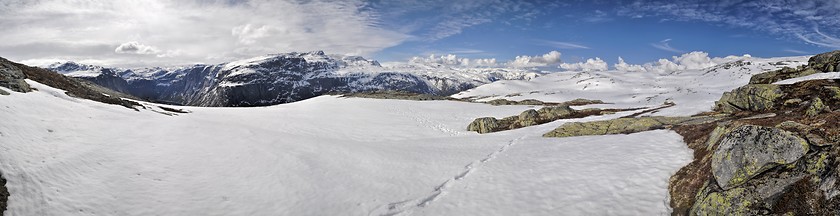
x=12 y=77
x=749 y=150
x=615 y=126
x=753 y=97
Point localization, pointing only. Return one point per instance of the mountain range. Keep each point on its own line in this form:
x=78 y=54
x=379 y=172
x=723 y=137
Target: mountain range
x=284 y=78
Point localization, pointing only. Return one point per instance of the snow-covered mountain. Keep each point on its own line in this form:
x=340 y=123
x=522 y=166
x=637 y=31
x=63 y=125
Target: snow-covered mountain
x=283 y=78
x=693 y=90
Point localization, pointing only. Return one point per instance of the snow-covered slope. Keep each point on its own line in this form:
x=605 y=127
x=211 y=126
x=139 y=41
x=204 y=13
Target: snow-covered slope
x=283 y=78
x=323 y=156
x=693 y=90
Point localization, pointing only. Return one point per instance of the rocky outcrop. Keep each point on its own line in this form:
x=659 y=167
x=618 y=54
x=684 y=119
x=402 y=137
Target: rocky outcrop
x=779 y=75
x=622 y=125
x=532 y=117
x=816 y=107
x=825 y=62
x=73 y=87
x=533 y=102
x=783 y=163
x=4 y=195
x=12 y=78
x=749 y=150
x=485 y=125
x=398 y=95
x=753 y=97
x=821 y=63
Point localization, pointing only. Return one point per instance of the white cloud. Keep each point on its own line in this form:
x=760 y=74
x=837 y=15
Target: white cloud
x=134 y=47
x=589 y=65
x=549 y=58
x=688 y=61
x=454 y=60
x=664 y=45
x=197 y=30
x=623 y=66
x=249 y=34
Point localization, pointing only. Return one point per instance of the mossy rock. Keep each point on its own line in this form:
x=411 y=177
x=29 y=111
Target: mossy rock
x=555 y=112
x=530 y=102
x=12 y=78
x=825 y=62
x=484 y=125
x=816 y=107
x=834 y=91
x=731 y=202
x=749 y=150
x=615 y=126
x=753 y=97
x=528 y=118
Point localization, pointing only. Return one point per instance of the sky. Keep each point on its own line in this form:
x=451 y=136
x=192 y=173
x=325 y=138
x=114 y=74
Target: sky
x=145 y=33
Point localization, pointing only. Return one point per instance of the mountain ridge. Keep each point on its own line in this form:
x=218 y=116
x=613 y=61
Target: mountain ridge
x=282 y=78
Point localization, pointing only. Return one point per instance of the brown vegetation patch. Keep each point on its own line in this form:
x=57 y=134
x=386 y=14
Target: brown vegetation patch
x=687 y=182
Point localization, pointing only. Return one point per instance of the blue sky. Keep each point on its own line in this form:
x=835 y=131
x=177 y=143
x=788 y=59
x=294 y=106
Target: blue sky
x=175 y=32
x=609 y=29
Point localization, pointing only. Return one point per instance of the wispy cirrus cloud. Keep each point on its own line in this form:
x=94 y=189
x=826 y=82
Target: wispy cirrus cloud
x=796 y=51
x=562 y=44
x=796 y=19
x=665 y=45
x=453 y=17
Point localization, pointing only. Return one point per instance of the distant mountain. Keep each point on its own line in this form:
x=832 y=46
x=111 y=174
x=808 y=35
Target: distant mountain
x=283 y=78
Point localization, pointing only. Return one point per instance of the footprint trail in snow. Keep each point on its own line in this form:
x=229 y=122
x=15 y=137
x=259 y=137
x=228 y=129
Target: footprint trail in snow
x=405 y=206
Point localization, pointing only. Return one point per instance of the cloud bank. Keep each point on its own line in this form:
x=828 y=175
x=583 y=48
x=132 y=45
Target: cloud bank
x=160 y=32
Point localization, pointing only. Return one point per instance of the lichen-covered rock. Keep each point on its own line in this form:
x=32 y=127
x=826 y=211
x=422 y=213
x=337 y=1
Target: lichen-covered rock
x=555 y=112
x=781 y=74
x=825 y=62
x=530 y=102
x=792 y=102
x=817 y=106
x=499 y=102
x=582 y=101
x=614 y=126
x=754 y=97
x=528 y=118
x=817 y=140
x=749 y=150
x=12 y=78
x=792 y=126
x=715 y=136
x=731 y=202
x=834 y=92
x=484 y=125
